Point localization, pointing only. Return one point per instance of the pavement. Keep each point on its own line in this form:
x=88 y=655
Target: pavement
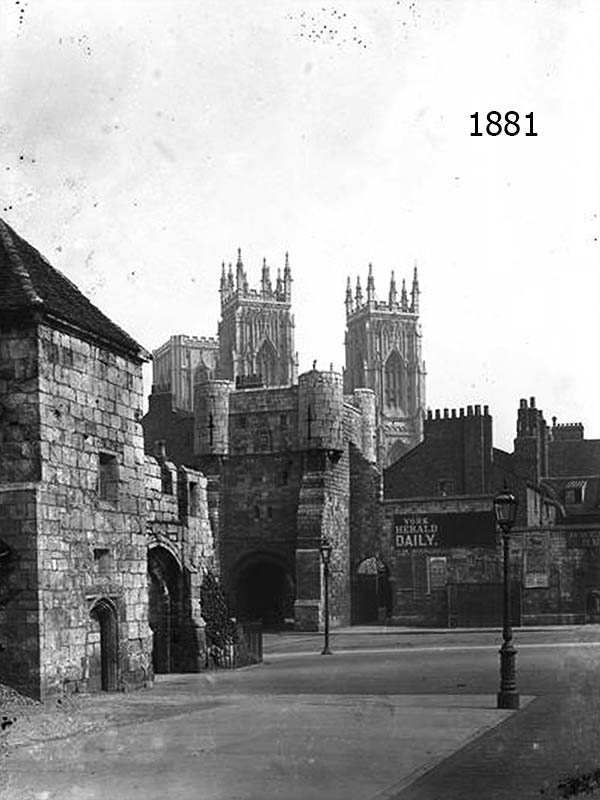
x=393 y=713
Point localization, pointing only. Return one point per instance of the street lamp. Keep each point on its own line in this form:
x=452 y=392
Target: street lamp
x=505 y=509
x=325 y=549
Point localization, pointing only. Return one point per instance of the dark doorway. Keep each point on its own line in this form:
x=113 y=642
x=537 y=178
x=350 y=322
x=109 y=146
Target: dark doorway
x=105 y=614
x=592 y=606
x=264 y=592
x=164 y=608
x=372 y=593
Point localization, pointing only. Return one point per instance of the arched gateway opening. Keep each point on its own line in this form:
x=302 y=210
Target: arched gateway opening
x=372 y=593
x=164 y=607
x=264 y=591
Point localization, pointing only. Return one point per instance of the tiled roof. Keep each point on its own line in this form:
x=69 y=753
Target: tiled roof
x=29 y=282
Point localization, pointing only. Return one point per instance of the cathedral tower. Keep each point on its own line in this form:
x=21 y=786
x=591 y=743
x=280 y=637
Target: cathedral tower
x=256 y=331
x=383 y=353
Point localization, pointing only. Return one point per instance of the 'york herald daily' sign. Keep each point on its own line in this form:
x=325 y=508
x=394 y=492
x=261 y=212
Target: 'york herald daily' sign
x=475 y=529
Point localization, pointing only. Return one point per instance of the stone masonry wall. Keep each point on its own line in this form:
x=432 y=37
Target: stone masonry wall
x=20 y=470
x=178 y=528
x=19 y=604
x=263 y=420
x=258 y=512
x=92 y=538
x=19 y=415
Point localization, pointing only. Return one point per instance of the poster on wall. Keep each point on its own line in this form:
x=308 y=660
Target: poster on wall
x=536 y=561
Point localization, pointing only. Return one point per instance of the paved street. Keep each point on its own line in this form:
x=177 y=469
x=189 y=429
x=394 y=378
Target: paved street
x=391 y=714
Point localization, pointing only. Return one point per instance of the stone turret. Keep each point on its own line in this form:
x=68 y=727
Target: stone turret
x=320 y=411
x=211 y=418
x=364 y=400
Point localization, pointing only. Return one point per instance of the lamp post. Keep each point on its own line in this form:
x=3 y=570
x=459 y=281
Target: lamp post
x=505 y=510
x=325 y=549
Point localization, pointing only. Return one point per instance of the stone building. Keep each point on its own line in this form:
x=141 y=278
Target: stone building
x=183 y=361
x=438 y=542
x=383 y=353
x=284 y=467
x=82 y=510
x=254 y=345
x=256 y=331
x=289 y=459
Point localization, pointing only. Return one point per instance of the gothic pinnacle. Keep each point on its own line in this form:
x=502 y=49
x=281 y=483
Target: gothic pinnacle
x=349 y=299
x=370 y=285
x=414 y=295
x=359 y=295
x=287 y=278
x=404 y=297
x=266 y=278
x=393 y=292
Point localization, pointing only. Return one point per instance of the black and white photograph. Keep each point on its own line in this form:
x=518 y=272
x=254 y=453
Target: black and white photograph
x=299 y=399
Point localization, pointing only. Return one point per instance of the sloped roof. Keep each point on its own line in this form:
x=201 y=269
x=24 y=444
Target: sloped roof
x=29 y=282
x=568 y=457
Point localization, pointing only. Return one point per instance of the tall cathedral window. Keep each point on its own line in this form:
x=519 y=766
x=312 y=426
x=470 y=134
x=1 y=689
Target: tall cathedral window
x=393 y=380
x=266 y=364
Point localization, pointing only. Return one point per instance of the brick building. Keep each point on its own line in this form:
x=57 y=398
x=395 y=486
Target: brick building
x=438 y=539
x=82 y=510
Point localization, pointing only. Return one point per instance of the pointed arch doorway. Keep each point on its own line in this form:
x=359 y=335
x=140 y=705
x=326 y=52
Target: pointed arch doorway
x=164 y=608
x=106 y=672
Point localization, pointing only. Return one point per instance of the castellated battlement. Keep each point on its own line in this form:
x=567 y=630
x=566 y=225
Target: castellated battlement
x=312 y=415
x=567 y=431
x=187 y=341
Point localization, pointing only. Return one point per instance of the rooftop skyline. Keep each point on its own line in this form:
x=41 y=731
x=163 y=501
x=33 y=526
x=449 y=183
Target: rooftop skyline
x=143 y=143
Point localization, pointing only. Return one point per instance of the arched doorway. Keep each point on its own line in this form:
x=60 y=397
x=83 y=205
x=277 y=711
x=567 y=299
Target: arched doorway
x=264 y=591
x=105 y=614
x=164 y=607
x=372 y=601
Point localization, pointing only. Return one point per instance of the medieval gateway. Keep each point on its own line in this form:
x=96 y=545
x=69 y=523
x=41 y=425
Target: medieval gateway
x=111 y=519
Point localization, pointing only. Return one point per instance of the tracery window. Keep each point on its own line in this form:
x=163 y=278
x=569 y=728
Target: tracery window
x=393 y=380
x=266 y=364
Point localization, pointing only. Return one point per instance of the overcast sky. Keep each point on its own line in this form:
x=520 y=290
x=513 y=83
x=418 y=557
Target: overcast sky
x=144 y=141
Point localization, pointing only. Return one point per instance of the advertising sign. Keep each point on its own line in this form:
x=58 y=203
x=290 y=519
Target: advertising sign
x=425 y=531
x=536 y=561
